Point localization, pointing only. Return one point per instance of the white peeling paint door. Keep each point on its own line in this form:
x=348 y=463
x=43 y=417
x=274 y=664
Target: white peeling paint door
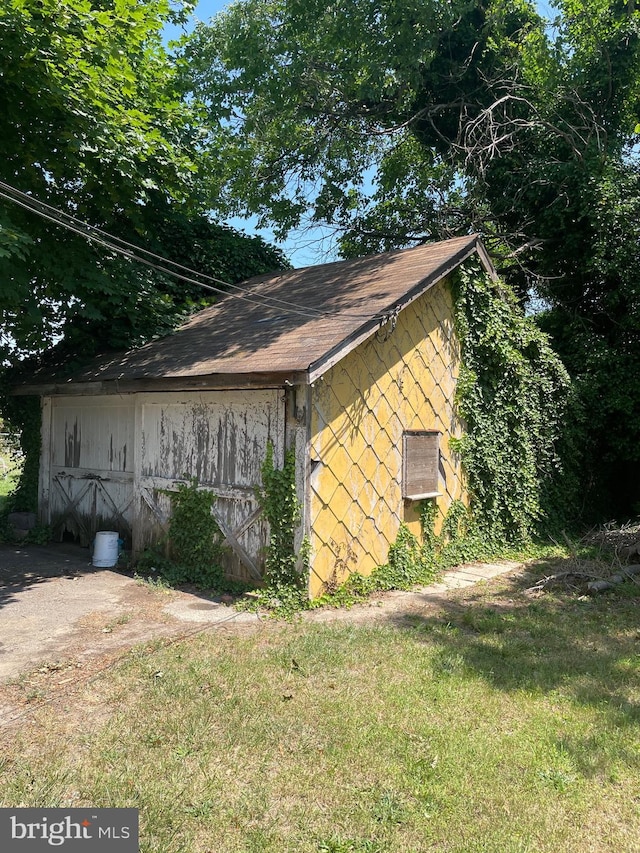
x=89 y=482
x=220 y=438
x=109 y=461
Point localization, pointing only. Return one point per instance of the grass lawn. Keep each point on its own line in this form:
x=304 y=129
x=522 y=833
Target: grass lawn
x=9 y=472
x=501 y=723
x=7 y=485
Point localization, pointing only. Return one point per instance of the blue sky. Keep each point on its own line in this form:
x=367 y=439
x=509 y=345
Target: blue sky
x=204 y=10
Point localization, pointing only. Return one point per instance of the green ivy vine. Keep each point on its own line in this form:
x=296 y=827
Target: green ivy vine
x=192 y=550
x=417 y=560
x=285 y=569
x=513 y=395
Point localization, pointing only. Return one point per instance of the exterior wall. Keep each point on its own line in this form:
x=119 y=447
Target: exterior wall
x=219 y=437
x=397 y=380
x=109 y=460
x=297 y=437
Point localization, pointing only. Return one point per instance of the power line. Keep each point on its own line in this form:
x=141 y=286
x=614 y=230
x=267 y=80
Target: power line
x=133 y=252
x=112 y=242
x=128 y=250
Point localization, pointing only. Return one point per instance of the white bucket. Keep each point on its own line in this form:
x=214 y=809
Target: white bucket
x=105 y=549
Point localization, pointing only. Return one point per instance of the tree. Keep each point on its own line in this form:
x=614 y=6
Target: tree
x=95 y=124
x=401 y=122
x=305 y=98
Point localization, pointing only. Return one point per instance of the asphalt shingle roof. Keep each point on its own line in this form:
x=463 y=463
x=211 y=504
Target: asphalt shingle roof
x=320 y=310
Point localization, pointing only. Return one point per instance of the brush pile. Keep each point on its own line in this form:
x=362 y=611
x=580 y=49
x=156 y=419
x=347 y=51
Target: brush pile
x=605 y=558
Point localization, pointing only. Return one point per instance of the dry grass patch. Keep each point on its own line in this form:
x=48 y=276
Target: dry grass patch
x=499 y=723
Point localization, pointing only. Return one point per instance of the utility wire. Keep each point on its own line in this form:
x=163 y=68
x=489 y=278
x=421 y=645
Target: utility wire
x=131 y=251
x=125 y=252
x=112 y=242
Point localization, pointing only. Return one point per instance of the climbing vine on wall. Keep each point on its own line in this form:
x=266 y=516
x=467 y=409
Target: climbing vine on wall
x=193 y=549
x=418 y=560
x=513 y=395
x=195 y=538
x=279 y=501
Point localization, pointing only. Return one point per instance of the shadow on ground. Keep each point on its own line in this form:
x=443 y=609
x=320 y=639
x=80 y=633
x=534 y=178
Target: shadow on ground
x=26 y=566
x=56 y=607
x=560 y=639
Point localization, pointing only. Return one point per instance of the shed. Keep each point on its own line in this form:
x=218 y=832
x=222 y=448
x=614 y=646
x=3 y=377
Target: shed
x=353 y=363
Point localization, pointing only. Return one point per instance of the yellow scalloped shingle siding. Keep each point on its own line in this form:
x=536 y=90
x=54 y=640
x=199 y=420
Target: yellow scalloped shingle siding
x=394 y=381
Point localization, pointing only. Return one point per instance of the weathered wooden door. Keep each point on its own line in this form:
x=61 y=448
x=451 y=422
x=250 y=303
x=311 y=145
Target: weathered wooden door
x=88 y=465
x=220 y=438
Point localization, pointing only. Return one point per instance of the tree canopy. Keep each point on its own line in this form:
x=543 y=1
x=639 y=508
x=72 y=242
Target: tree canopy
x=96 y=124
x=399 y=122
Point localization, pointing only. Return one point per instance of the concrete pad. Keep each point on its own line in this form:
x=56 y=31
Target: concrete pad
x=453 y=577
x=433 y=589
x=55 y=606
x=458 y=582
x=473 y=570
x=207 y=612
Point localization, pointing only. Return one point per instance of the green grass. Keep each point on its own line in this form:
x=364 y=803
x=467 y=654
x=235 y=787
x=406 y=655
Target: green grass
x=500 y=724
x=7 y=485
x=9 y=473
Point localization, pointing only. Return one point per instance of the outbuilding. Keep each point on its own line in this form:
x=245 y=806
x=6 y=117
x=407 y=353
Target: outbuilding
x=353 y=363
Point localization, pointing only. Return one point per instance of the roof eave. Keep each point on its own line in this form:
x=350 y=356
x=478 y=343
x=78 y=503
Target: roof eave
x=293 y=376
x=210 y=382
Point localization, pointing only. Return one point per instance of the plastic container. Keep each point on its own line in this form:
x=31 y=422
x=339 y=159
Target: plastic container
x=105 y=549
